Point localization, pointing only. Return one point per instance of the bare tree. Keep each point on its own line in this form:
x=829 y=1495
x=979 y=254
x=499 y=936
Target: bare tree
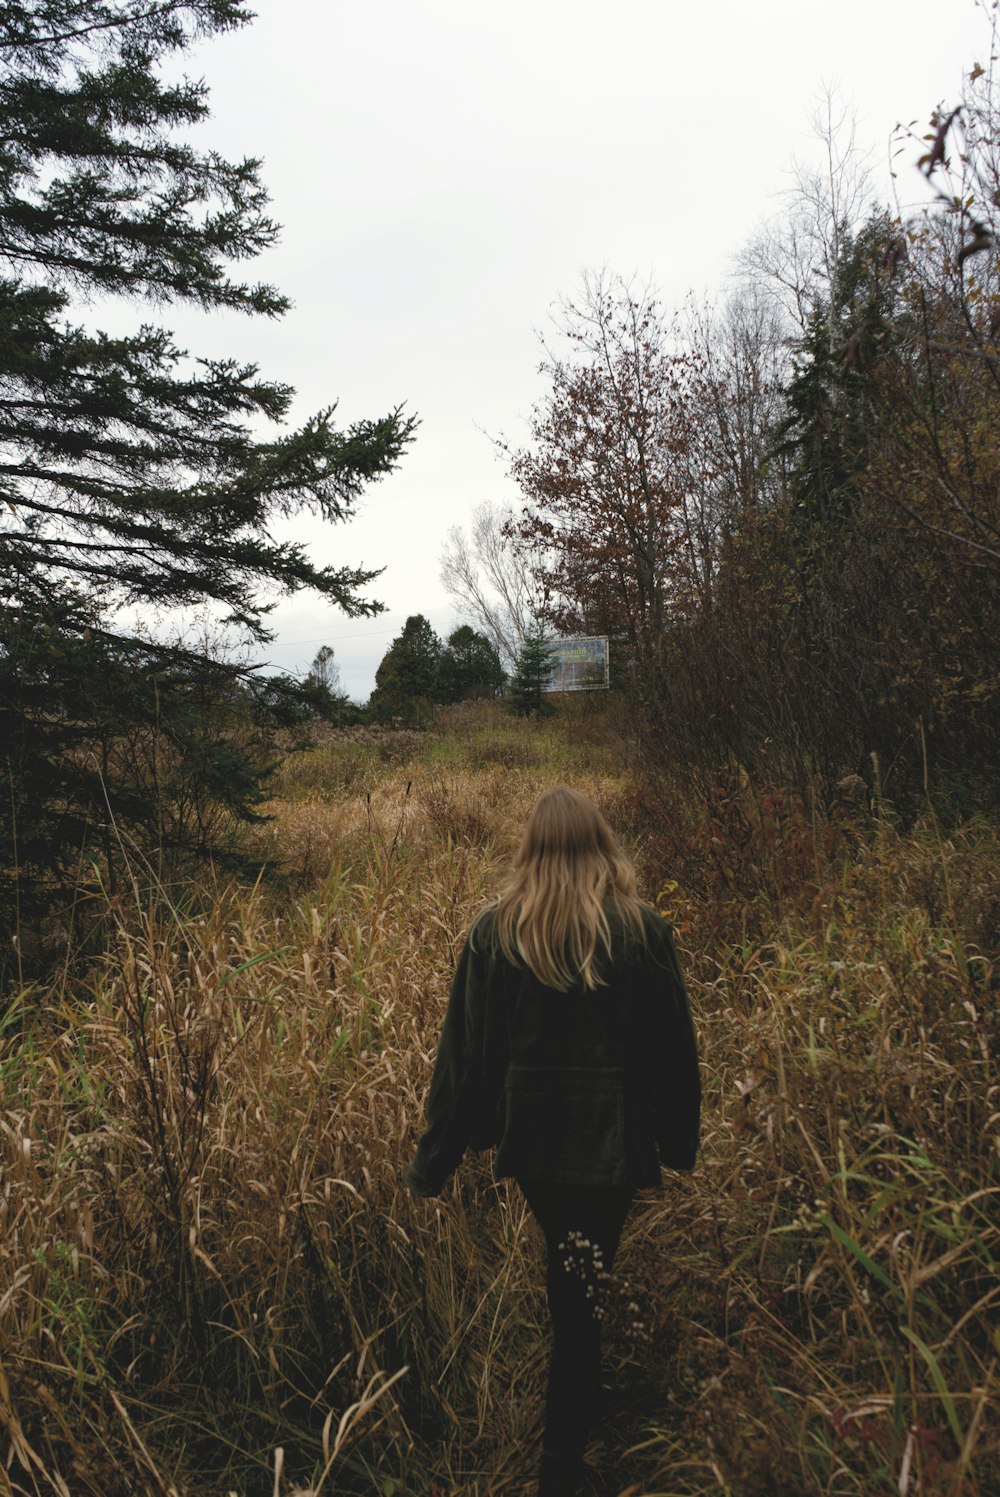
x=325 y=671
x=739 y=350
x=952 y=287
x=490 y=580
x=796 y=252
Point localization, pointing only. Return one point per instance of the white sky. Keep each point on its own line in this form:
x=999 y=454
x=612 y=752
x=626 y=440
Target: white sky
x=445 y=170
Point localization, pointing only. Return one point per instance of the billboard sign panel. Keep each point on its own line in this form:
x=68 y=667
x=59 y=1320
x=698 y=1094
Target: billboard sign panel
x=579 y=664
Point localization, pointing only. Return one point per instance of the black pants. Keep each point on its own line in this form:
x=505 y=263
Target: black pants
x=582 y=1227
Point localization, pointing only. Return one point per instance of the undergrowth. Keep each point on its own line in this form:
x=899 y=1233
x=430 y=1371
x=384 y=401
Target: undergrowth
x=212 y=1279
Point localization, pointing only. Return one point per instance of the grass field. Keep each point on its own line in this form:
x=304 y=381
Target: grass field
x=212 y=1280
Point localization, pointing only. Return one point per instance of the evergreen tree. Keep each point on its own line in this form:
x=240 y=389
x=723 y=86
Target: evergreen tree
x=407 y=678
x=835 y=400
x=130 y=474
x=830 y=565
x=532 y=676
x=469 y=667
x=103 y=743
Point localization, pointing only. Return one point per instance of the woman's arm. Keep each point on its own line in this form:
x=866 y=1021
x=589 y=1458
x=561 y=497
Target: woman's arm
x=453 y=1099
x=672 y=1074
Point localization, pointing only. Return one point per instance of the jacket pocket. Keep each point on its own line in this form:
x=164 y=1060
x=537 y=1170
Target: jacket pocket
x=564 y=1123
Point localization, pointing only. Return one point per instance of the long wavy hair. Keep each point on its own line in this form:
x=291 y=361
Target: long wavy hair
x=556 y=912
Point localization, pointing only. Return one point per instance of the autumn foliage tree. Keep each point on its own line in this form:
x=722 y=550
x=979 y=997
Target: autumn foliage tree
x=602 y=476
x=799 y=544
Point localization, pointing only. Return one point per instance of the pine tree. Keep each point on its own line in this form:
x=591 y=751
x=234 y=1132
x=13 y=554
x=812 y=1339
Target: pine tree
x=129 y=473
x=835 y=403
x=531 y=677
x=469 y=667
x=407 y=677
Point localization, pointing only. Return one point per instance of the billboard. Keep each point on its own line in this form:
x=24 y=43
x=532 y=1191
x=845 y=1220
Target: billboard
x=579 y=664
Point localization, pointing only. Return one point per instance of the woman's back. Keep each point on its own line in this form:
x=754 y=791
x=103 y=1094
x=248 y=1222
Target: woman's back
x=594 y=1086
x=568 y=1046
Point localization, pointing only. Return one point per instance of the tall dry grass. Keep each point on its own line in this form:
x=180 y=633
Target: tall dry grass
x=213 y=1281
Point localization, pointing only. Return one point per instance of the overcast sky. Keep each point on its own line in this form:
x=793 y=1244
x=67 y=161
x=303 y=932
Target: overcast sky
x=444 y=170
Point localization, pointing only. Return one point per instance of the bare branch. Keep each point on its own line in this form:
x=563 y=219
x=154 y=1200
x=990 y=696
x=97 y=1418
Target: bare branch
x=488 y=576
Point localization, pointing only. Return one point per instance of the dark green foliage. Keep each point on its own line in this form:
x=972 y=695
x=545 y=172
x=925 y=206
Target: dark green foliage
x=834 y=403
x=526 y=695
x=469 y=667
x=128 y=467
x=406 y=682
x=130 y=474
x=112 y=746
x=418 y=671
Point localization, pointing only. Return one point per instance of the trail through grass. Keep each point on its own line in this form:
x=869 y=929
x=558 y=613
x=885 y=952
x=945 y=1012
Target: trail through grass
x=212 y=1279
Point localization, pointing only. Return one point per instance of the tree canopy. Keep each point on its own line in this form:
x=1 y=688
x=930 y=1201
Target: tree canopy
x=406 y=682
x=469 y=666
x=604 y=476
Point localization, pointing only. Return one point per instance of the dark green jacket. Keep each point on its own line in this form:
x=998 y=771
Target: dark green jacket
x=586 y=1088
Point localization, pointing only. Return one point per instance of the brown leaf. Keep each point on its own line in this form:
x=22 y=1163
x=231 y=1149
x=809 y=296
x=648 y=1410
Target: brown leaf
x=935 y=157
x=982 y=240
x=894 y=254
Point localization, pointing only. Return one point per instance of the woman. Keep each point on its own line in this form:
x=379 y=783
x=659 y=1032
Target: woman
x=568 y=1045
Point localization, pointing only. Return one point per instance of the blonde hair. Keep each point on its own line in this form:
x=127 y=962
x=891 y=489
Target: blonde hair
x=568 y=876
